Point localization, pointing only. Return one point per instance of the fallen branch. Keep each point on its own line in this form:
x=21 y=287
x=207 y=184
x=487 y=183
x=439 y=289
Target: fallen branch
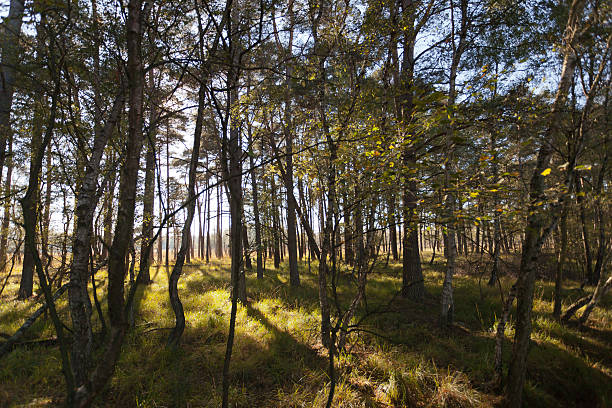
x=39 y=342
x=9 y=344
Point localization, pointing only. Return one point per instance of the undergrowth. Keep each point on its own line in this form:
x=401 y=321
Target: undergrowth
x=397 y=357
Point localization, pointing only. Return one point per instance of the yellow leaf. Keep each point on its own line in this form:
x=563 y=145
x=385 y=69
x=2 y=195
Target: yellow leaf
x=546 y=172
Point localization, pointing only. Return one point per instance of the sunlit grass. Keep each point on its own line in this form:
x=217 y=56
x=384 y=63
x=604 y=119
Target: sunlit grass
x=278 y=360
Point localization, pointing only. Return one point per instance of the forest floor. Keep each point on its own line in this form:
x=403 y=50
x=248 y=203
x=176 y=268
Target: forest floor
x=278 y=360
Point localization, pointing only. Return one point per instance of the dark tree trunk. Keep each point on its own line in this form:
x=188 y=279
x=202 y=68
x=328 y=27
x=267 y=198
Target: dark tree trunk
x=29 y=205
x=124 y=228
x=275 y=224
x=561 y=257
x=175 y=301
x=7 y=204
x=413 y=286
x=219 y=239
x=535 y=221
x=245 y=244
x=149 y=187
x=393 y=228
x=10 y=49
x=258 y=247
x=231 y=153
x=26 y=284
x=588 y=257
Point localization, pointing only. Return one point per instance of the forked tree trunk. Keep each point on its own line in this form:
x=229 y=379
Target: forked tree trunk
x=87 y=200
x=124 y=228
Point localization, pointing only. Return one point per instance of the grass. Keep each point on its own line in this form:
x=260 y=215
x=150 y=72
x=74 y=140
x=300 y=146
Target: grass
x=278 y=360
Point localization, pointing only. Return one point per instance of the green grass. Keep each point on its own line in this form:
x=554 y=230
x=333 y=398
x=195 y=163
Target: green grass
x=278 y=360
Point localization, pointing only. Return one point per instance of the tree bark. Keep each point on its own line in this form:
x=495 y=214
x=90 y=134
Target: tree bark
x=149 y=187
x=175 y=301
x=7 y=204
x=124 y=227
x=9 y=49
x=561 y=257
x=447 y=312
x=26 y=284
x=231 y=153
x=586 y=243
x=87 y=199
x=535 y=221
x=413 y=285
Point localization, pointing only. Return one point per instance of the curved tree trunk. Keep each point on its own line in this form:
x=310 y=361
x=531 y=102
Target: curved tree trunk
x=87 y=199
x=175 y=301
x=124 y=227
x=535 y=222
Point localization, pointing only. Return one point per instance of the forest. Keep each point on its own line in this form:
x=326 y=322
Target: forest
x=305 y=203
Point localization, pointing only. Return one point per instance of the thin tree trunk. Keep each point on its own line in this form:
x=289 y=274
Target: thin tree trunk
x=535 y=221
x=26 y=284
x=175 y=301
x=149 y=187
x=588 y=257
x=393 y=228
x=447 y=312
x=7 y=203
x=232 y=169
x=560 y=265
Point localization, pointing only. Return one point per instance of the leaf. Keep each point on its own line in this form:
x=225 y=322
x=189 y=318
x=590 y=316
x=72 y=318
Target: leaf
x=583 y=167
x=546 y=172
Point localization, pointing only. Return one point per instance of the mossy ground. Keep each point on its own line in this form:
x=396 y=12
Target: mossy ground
x=278 y=361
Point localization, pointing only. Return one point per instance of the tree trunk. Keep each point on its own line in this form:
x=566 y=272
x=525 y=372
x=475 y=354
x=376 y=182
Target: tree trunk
x=46 y=213
x=10 y=49
x=447 y=312
x=588 y=257
x=219 y=240
x=124 y=228
x=27 y=272
x=149 y=187
x=254 y=186
x=413 y=285
x=535 y=221
x=175 y=301
x=275 y=224
x=393 y=228
x=561 y=257
x=7 y=203
x=87 y=200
